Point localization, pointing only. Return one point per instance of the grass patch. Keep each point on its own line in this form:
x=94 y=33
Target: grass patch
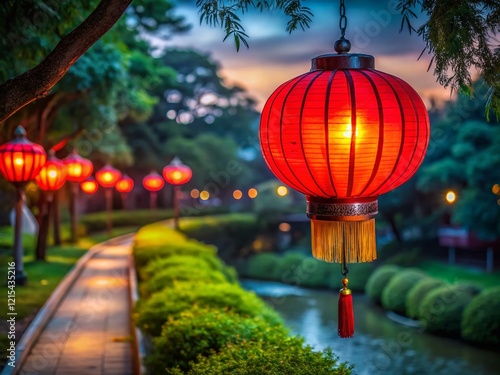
x=457 y=274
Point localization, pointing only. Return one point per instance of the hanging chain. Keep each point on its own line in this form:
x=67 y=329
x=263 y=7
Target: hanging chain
x=343 y=19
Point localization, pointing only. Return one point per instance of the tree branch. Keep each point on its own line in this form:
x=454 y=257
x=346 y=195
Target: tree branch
x=36 y=82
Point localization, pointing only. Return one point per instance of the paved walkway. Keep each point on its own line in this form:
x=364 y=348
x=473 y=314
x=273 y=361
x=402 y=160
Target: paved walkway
x=90 y=331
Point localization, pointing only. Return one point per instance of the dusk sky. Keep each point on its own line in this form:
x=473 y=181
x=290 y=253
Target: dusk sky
x=275 y=56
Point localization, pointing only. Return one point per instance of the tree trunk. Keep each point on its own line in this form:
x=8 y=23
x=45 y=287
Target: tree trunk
x=36 y=83
x=43 y=230
x=56 y=219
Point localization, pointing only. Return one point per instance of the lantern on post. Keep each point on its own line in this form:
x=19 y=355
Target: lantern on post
x=20 y=162
x=50 y=179
x=79 y=169
x=176 y=174
x=124 y=186
x=107 y=177
x=343 y=134
x=89 y=186
x=153 y=182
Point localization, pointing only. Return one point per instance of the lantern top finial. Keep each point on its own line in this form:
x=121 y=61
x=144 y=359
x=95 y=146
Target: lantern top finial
x=342 y=45
x=20 y=132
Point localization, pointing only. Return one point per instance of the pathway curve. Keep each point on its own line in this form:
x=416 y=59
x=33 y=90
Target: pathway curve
x=90 y=330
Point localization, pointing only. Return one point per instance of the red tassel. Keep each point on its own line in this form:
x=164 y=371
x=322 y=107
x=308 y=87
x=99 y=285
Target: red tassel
x=346 y=313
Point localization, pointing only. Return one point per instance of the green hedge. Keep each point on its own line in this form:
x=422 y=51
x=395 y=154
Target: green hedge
x=395 y=293
x=442 y=309
x=279 y=357
x=262 y=266
x=481 y=320
x=204 y=331
x=417 y=293
x=191 y=321
x=378 y=281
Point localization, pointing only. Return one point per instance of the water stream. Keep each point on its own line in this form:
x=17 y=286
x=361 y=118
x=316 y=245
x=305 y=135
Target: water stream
x=380 y=345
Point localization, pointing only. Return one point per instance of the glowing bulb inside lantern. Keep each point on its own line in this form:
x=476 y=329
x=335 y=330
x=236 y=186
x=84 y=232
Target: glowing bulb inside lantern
x=52 y=174
x=18 y=161
x=177 y=175
x=76 y=170
x=107 y=176
x=348 y=131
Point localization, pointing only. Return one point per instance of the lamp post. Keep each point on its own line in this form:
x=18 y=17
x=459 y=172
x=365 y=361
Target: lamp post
x=20 y=162
x=107 y=177
x=124 y=186
x=451 y=198
x=79 y=169
x=154 y=183
x=50 y=179
x=176 y=173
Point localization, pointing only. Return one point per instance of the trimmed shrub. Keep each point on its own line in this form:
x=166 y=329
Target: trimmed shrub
x=378 y=281
x=170 y=302
x=287 y=265
x=442 y=309
x=262 y=266
x=417 y=293
x=278 y=357
x=395 y=293
x=481 y=319
x=168 y=277
x=201 y=332
x=158 y=265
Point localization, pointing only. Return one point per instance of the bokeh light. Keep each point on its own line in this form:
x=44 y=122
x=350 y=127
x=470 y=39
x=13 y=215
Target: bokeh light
x=496 y=189
x=252 y=193
x=204 y=195
x=237 y=194
x=195 y=193
x=282 y=191
x=284 y=227
x=451 y=197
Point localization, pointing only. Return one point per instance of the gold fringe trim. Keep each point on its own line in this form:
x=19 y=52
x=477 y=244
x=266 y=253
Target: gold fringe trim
x=334 y=240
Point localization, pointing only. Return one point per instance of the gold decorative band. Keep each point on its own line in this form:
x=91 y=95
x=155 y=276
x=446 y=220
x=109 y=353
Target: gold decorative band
x=332 y=210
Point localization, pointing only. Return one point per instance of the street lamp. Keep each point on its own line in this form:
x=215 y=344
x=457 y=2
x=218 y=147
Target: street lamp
x=154 y=183
x=51 y=178
x=20 y=162
x=124 y=186
x=107 y=177
x=79 y=169
x=176 y=174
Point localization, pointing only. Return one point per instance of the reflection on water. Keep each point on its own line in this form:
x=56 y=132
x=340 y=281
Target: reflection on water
x=380 y=346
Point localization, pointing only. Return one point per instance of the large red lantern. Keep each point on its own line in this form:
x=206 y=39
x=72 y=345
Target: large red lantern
x=343 y=134
x=79 y=168
x=20 y=159
x=153 y=181
x=177 y=173
x=89 y=186
x=52 y=176
x=107 y=176
x=124 y=185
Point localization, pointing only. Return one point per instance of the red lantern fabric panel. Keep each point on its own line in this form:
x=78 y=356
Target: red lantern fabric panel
x=79 y=168
x=153 y=182
x=344 y=133
x=107 y=176
x=21 y=161
x=52 y=176
x=125 y=184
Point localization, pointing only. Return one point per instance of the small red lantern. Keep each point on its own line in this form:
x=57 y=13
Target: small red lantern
x=79 y=168
x=125 y=184
x=53 y=174
x=177 y=173
x=89 y=186
x=107 y=176
x=20 y=159
x=153 y=181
